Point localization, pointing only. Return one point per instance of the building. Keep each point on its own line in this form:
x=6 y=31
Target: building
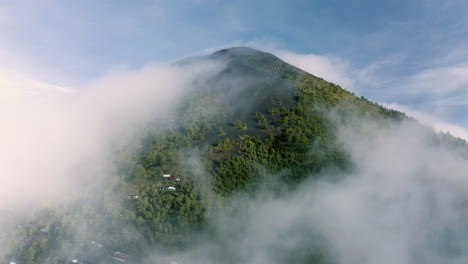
x=120 y=255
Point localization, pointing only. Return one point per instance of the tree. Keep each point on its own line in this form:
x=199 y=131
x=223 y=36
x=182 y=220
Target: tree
x=238 y=124
x=30 y=255
x=263 y=122
x=221 y=131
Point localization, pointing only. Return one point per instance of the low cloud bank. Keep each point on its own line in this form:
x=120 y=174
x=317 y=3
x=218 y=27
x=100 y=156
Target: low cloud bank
x=56 y=143
x=431 y=120
x=404 y=202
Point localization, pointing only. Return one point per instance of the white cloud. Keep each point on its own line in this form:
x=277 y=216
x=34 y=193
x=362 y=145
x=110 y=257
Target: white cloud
x=431 y=120
x=439 y=81
x=56 y=140
x=404 y=202
x=14 y=85
x=330 y=68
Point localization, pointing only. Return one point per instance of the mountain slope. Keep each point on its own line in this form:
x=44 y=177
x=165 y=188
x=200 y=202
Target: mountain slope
x=257 y=82
x=260 y=116
x=261 y=125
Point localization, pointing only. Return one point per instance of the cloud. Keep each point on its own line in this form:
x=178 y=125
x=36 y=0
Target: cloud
x=403 y=202
x=439 y=81
x=57 y=141
x=440 y=91
x=431 y=120
x=442 y=87
x=14 y=85
x=330 y=68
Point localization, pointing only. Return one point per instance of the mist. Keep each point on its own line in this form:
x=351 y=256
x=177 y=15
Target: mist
x=405 y=201
x=58 y=145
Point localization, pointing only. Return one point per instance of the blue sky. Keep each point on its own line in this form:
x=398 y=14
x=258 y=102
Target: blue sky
x=412 y=55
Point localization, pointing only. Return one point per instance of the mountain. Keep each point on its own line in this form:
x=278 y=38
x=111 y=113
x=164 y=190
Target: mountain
x=266 y=85
x=260 y=124
x=248 y=61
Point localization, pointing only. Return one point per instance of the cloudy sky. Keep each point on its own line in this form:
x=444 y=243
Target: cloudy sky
x=407 y=54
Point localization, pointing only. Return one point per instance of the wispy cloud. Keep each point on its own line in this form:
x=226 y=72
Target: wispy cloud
x=14 y=85
x=330 y=68
x=439 y=81
x=431 y=120
x=440 y=91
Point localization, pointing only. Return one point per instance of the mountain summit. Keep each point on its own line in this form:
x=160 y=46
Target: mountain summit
x=256 y=84
x=242 y=60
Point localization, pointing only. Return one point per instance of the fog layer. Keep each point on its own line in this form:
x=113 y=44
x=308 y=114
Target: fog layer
x=405 y=202
x=56 y=144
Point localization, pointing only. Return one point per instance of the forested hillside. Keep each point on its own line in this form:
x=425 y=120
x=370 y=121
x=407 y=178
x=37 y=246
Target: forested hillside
x=260 y=126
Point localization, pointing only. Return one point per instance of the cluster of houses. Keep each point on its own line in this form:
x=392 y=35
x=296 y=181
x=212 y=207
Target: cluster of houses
x=170 y=176
x=119 y=256
x=169 y=188
x=95 y=252
x=165 y=188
